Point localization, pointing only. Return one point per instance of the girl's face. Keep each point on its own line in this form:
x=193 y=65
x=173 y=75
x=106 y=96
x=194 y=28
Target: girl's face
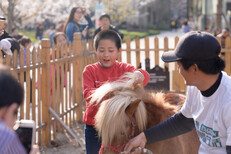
x=78 y=14
x=28 y=45
x=61 y=40
x=107 y=52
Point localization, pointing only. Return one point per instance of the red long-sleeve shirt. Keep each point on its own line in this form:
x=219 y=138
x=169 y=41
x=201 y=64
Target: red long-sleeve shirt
x=94 y=76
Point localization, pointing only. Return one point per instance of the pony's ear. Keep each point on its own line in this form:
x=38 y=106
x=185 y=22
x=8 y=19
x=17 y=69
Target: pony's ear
x=131 y=109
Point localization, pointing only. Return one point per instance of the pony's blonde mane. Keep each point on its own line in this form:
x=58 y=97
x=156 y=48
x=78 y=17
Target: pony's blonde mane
x=111 y=117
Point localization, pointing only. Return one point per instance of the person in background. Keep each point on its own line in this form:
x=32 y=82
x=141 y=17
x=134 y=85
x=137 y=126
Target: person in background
x=72 y=24
x=25 y=43
x=105 y=22
x=107 y=46
x=8 y=43
x=185 y=27
x=39 y=31
x=217 y=31
x=15 y=34
x=11 y=97
x=223 y=35
x=59 y=40
x=207 y=107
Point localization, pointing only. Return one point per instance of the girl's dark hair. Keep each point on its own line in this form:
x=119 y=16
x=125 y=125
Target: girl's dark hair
x=11 y=91
x=107 y=35
x=70 y=18
x=211 y=66
x=25 y=40
x=57 y=34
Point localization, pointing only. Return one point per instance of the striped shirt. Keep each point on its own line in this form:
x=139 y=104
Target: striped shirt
x=9 y=141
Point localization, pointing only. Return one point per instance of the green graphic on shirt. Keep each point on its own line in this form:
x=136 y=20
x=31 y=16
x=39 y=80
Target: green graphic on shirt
x=208 y=135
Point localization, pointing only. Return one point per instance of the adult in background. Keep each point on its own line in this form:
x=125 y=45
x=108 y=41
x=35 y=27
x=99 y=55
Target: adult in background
x=8 y=44
x=16 y=34
x=185 y=27
x=72 y=24
x=39 y=31
x=223 y=35
x=105 y=22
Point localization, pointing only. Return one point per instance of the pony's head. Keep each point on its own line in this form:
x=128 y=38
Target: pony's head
x=121 y=111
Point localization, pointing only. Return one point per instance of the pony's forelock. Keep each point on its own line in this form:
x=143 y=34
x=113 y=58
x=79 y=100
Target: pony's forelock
x=125 y=81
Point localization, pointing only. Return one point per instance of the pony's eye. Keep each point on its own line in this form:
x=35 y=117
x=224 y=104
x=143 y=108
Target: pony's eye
x=122 y=133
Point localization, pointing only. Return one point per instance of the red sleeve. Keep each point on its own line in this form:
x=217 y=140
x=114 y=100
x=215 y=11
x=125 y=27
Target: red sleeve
x=146 y=76
x=88 y=83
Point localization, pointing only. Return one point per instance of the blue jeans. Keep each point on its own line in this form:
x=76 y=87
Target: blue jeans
x=93 y=143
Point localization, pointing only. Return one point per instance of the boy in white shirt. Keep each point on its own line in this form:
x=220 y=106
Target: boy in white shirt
x=208 y=100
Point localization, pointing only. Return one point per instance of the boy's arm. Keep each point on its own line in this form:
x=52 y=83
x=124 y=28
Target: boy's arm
x=174 y=126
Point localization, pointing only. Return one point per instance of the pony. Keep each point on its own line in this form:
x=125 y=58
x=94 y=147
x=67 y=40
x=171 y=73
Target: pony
x=126 y=109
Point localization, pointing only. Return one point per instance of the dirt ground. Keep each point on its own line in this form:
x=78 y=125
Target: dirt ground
x=65 y=144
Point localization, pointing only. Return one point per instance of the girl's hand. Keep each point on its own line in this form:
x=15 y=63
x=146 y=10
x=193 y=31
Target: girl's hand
x=84 y=11
x=84 y=32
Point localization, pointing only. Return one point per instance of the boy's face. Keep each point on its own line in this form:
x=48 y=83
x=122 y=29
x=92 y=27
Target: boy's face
x=107 y=52
x=188 y=75
x=105 y=22
x=9 y=115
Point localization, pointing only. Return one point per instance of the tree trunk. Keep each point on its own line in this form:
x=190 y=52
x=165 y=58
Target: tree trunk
x=10 y=15
x=219 y=13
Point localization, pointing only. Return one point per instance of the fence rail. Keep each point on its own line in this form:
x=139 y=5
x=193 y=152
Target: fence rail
x=52 y=78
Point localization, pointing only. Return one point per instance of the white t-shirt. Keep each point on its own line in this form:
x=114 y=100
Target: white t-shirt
x=212 y=116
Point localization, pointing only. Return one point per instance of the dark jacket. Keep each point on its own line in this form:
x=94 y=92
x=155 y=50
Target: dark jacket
x=111 y=27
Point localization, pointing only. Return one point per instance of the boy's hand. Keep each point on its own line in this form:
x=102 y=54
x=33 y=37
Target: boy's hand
x=138 y=141
x=139 y=77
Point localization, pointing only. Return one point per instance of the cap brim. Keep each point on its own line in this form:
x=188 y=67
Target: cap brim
x=7 y=52
x=170 y=56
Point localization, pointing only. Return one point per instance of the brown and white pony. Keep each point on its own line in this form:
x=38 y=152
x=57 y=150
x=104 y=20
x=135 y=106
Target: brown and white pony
x=126 y=109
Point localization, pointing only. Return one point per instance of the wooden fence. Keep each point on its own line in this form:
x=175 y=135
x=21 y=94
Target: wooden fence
x=53 y=79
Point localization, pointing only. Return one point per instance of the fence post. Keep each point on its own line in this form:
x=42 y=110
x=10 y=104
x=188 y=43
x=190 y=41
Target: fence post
x=227 y=55
x=128 y=50
x=78 y=75
x=45 y=92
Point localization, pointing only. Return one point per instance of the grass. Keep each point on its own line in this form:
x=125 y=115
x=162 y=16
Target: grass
x=30 y=34
x=133 y=34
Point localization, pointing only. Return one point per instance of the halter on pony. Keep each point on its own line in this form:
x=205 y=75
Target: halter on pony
x=119 y=148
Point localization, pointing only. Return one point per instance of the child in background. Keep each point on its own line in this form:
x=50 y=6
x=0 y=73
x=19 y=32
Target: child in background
x=59 y=39
x=25 y=43
x=105 y=24
x=108 y=47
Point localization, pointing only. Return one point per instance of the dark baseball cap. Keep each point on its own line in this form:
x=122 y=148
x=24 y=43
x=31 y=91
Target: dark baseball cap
x=104 y=15
x=2 y=18
x=194 y=45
